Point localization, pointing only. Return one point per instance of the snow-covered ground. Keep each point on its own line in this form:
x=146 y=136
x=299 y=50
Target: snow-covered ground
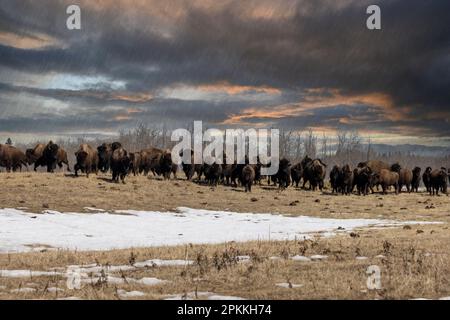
x=19 y=231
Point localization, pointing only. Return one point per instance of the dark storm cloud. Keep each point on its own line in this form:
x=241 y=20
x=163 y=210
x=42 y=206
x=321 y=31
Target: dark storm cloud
x=319 y=44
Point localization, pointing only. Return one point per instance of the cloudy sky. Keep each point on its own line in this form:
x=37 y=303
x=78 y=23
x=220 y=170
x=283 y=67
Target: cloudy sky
x=293 y=64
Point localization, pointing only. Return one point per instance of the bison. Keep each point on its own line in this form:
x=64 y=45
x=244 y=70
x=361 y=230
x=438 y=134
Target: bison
x=105 y=152
x=213 y=173
x=296 y=173
x=375 y=165
x=283 y=176
x=87 y=160
x=120 y=164
x=438 y=181
x=405 y=179
x=415 y=183
x=12 y=158
x=362 y=179
x=347 y=180
x=165 y=166
x=314 y=173
x=248 y=177
x=336 y=179
x=135 y=163
x=34 y=155
x=150 y=160
x=388 y=178
x=190 y=169
x=426 y=177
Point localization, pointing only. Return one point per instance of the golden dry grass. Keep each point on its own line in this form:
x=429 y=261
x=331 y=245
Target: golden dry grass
x=416 y=259
x=61 y=192
x=416 y=264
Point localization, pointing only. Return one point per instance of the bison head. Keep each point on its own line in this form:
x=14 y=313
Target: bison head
x=166 y=162
x=396 y=167
x=30 y=157
x=51 y=151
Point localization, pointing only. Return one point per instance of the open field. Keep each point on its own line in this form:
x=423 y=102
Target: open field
x=65 y=193
x=414 y=259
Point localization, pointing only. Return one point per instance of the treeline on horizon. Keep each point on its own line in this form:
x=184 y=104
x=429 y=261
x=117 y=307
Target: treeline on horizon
x=347 y=147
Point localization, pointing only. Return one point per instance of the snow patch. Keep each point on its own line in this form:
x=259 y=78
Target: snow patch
x=104 y=231
x=162 y=263
x=23 y=290
x=130 y=294
x=318 y=257
x=201 y=295
x=288 y=286
x=300 y=258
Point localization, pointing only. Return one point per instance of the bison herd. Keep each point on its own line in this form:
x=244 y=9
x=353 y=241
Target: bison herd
x=112 y=157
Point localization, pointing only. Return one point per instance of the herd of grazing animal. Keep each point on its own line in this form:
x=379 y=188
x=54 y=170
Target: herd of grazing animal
x=114 y=158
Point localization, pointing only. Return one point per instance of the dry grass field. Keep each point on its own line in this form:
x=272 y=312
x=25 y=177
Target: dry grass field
x=414 y=260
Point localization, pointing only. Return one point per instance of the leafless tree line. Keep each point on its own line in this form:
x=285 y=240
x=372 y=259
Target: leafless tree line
x=345 y=147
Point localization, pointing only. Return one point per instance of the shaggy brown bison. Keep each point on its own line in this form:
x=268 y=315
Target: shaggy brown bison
x=135 y=162
x=314 y=173
x=336 y=179
x=405 y=179
x=61 y=158
x=213 y=173
x=165 y=167
x=296 y=173
x=347 y=180
x=438 y=181
x=387 y=178
x=375 y=165
x=12 y=158
x=87 y=160
x=415 y=183
x=426 y=177
x=227 y=170
x=150 y=160
x=105 y=152
x=362 y=179
x=189 y=168
x=283 y=176
x=34 y=155
x=248 y=177
x=47 y=156
x=120 y=164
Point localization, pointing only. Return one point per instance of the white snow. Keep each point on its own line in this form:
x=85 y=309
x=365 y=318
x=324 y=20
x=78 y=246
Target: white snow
x=130 y=294
x=318 y=257
x=361 y=258
x=220 y=297
x=288 y=286
x=27 y=273
x=104 y=231
x=93 y=209
x=23 y=290
x=300 y=258
x=201 y=295
x=120 y=280
x=149 y=281
x=162 y=263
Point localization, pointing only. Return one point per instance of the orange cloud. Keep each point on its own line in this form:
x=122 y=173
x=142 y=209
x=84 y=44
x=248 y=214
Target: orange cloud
x=132 y=97
x=320 y=98
x=33 y=41
x=225 y=86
